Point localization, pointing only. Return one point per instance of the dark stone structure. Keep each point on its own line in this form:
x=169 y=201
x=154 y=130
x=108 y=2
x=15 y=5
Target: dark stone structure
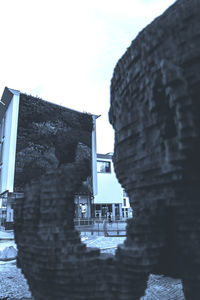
x=155 y=113
x=50 y=252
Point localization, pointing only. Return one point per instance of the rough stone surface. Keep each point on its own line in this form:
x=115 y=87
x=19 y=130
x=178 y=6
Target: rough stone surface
x=155 y=113
x=50 y=252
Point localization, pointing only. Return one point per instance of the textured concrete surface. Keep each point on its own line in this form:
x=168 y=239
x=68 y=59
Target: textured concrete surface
x=155 y=112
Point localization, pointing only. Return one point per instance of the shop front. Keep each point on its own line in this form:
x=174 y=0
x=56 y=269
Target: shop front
x=7 y=201
x=108 y=211
x=82 y=207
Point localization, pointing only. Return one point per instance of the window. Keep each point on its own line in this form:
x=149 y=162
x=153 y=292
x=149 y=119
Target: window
x=2 y=129
x=124 y=201
x=103 y=166
x=98 y=207
x=2 y=135
x=1 y=153
x=124 y=193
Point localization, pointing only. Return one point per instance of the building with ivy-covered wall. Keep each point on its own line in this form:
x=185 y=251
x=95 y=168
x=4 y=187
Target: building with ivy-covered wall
x=36 y=136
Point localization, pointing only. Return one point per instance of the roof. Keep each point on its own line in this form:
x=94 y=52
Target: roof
x=5 y=101
x=15 y=92
x=55 y=104
x=105 y=156
x=7 y=96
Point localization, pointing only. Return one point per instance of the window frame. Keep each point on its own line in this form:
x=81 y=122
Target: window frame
x=124 y=202
x=104 y=162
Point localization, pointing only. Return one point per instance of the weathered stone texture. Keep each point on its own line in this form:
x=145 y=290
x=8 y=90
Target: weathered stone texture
x=50 y=252
x=155 y=111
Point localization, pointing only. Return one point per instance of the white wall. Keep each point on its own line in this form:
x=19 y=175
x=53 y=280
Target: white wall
x=94 y=158
x=9 y=147
x=109 y=189
x=127 y=203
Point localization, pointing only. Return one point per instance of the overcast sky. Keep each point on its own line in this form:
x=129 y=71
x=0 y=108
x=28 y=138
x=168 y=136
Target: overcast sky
x=65 y=51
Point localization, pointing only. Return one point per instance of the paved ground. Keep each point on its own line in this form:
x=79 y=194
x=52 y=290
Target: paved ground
x=106 y=244
x=13 y=284
x=99 y=228
x=163 y=288
x=6 y=235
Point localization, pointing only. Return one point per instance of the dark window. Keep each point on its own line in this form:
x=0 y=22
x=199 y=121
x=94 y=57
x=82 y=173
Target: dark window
x=2 y=129
x=124 y=201
x=103 y=166
x=109 y=207
x=104 y=210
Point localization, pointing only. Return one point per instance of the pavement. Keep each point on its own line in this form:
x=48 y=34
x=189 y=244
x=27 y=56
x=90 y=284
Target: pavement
x=105 y=244
x=163 y=288
x=6 y=234
x=101 y=226
x=15 y=286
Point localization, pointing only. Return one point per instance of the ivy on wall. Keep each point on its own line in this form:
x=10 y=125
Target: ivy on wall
x=49 y=136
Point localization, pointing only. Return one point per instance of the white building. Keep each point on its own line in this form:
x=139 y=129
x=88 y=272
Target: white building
x=110 y=199
x=127 y=211
x=9 y=107
x=83 y=202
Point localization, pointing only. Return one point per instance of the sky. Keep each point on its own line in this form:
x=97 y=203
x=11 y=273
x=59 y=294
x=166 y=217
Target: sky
x=65 y=51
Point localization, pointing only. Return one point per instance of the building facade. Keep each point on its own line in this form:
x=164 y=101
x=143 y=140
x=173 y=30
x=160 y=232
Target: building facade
x=37 y=135
x=127 y=211
x=9 y=109
x=111 y=200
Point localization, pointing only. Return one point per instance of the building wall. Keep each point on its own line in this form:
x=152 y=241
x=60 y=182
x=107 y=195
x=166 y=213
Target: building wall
x=127 y=211
x=109 y=189
x=94 y=158
x=40 y=136
x=8 y=144
x=108 y=201
x=111 y=200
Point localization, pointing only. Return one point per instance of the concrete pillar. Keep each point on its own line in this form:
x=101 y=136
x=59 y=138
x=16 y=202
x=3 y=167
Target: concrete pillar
x=88 y=208
x=113 y=211
x=78 y=203
x=120 y=211
x=9 y=213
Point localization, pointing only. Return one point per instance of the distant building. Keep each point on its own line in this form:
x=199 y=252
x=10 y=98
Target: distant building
x=127 y=211
x=110 y=199
x=37 y=135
